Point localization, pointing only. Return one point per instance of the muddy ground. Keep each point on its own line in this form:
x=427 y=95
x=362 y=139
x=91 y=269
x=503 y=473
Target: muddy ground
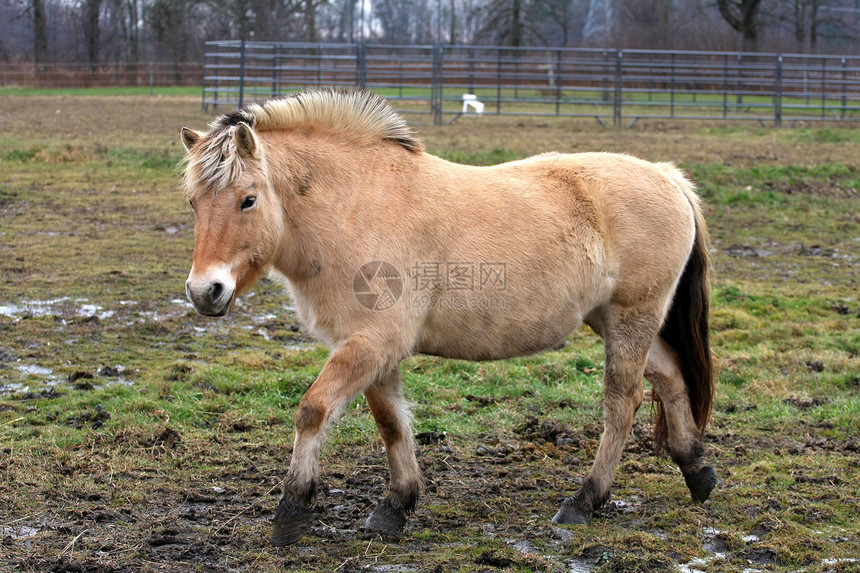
x=137 y=436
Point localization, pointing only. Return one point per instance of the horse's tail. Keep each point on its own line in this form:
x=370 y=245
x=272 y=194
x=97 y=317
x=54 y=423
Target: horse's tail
x=685 y=328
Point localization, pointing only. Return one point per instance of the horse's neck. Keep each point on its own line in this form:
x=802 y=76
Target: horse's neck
x=326 y=189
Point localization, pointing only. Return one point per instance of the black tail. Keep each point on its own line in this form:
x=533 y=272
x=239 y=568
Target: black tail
x=686 y=331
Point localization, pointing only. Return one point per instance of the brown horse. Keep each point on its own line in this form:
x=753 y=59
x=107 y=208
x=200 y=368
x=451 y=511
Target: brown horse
x=389 y=251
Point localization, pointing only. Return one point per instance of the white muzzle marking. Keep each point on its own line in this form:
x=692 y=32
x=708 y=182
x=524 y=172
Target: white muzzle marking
x=211 y=292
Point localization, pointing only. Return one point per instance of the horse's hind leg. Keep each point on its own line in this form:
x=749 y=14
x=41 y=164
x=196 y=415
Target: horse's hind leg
x=627 y=336
x=393 y=421
x=683 y=436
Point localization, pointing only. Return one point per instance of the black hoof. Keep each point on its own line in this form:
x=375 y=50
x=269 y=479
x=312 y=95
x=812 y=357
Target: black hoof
x=388 y=517
x=292 y=521
x=701 y=483
x=573 y=511
x=579 y=508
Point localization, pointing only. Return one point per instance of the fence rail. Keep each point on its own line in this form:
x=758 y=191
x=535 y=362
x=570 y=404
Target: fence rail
x=613 y=86
x=61 y=75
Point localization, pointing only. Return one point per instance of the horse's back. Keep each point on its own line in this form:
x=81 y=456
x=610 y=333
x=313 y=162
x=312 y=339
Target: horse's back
x=572 y=233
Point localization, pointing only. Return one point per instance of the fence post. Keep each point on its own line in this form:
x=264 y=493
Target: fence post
x=777 y=93
x=275 y=60
x=606 y=70
x=844 y=86
x=203 y=69
x=672 y=86
x=472 y=70
x=242 y=73
x=499 y=80
x=558 y=82
x=361 y=64
x=616 y=104
x=725 y=86
x=516 y=54
x=215 y=89
x=823 y=87
x=740 y=81
x=436 y=85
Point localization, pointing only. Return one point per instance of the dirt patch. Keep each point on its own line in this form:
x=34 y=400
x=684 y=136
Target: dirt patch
x=823 y=188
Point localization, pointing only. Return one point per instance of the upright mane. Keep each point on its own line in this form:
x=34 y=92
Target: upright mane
x=357 y=114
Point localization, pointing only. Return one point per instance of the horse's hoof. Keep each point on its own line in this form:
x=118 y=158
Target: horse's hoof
x=701 y=483
x=292 y=521
x=572 y=511
x=387 y=518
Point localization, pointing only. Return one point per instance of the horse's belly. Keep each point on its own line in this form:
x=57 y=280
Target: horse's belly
x=531 y=310
x=492 y=334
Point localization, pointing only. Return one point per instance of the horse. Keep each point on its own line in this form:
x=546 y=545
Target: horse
x=388 y=251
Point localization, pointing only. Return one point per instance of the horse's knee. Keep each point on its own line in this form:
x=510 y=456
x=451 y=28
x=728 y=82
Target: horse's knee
x=309 y=418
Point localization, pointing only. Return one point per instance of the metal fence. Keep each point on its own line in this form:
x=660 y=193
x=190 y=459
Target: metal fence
x=617 y=87
x=64 y=75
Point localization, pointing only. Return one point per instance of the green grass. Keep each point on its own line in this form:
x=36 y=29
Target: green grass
x=90 y=214
x=483 y=157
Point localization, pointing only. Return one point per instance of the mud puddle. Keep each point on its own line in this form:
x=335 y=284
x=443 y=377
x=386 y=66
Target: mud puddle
x=63 y=306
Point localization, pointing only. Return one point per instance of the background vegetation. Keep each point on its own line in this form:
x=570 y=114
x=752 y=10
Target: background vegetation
x=135 y=31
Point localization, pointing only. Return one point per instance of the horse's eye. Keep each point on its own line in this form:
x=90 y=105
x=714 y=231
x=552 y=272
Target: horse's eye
x=191 y=202
x=248 y=202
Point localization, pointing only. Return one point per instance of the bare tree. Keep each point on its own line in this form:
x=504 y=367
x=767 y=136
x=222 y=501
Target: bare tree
x=504 y=21
x=168 y=20
x=646 y=24
x=310 y=14
x=813 y=6
x=742 y=15
x=92 y=12
x=129 y=18
x=405 y=21
x=345 y=21
x=559 y=12
x=40 y=32
x=452 y=30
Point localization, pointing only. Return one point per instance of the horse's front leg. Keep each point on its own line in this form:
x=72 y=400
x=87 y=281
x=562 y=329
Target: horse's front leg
x=393 y=421
x=352 y=366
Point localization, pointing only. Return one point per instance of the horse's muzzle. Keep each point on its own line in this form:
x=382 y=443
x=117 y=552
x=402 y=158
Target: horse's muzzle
x=211 y=294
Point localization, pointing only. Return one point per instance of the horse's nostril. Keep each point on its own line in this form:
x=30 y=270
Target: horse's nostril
x=215 y=292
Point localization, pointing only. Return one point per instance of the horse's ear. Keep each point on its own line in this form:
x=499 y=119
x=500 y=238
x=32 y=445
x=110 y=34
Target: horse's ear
x=189 y=137
x=246 y=141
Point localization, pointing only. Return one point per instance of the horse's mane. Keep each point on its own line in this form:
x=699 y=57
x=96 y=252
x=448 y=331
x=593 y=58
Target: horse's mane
x=357 y=114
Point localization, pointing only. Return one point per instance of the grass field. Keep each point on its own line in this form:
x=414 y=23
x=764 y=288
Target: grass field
x=139 y=436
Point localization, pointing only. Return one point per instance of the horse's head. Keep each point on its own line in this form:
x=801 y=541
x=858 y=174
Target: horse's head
x=237 y=215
